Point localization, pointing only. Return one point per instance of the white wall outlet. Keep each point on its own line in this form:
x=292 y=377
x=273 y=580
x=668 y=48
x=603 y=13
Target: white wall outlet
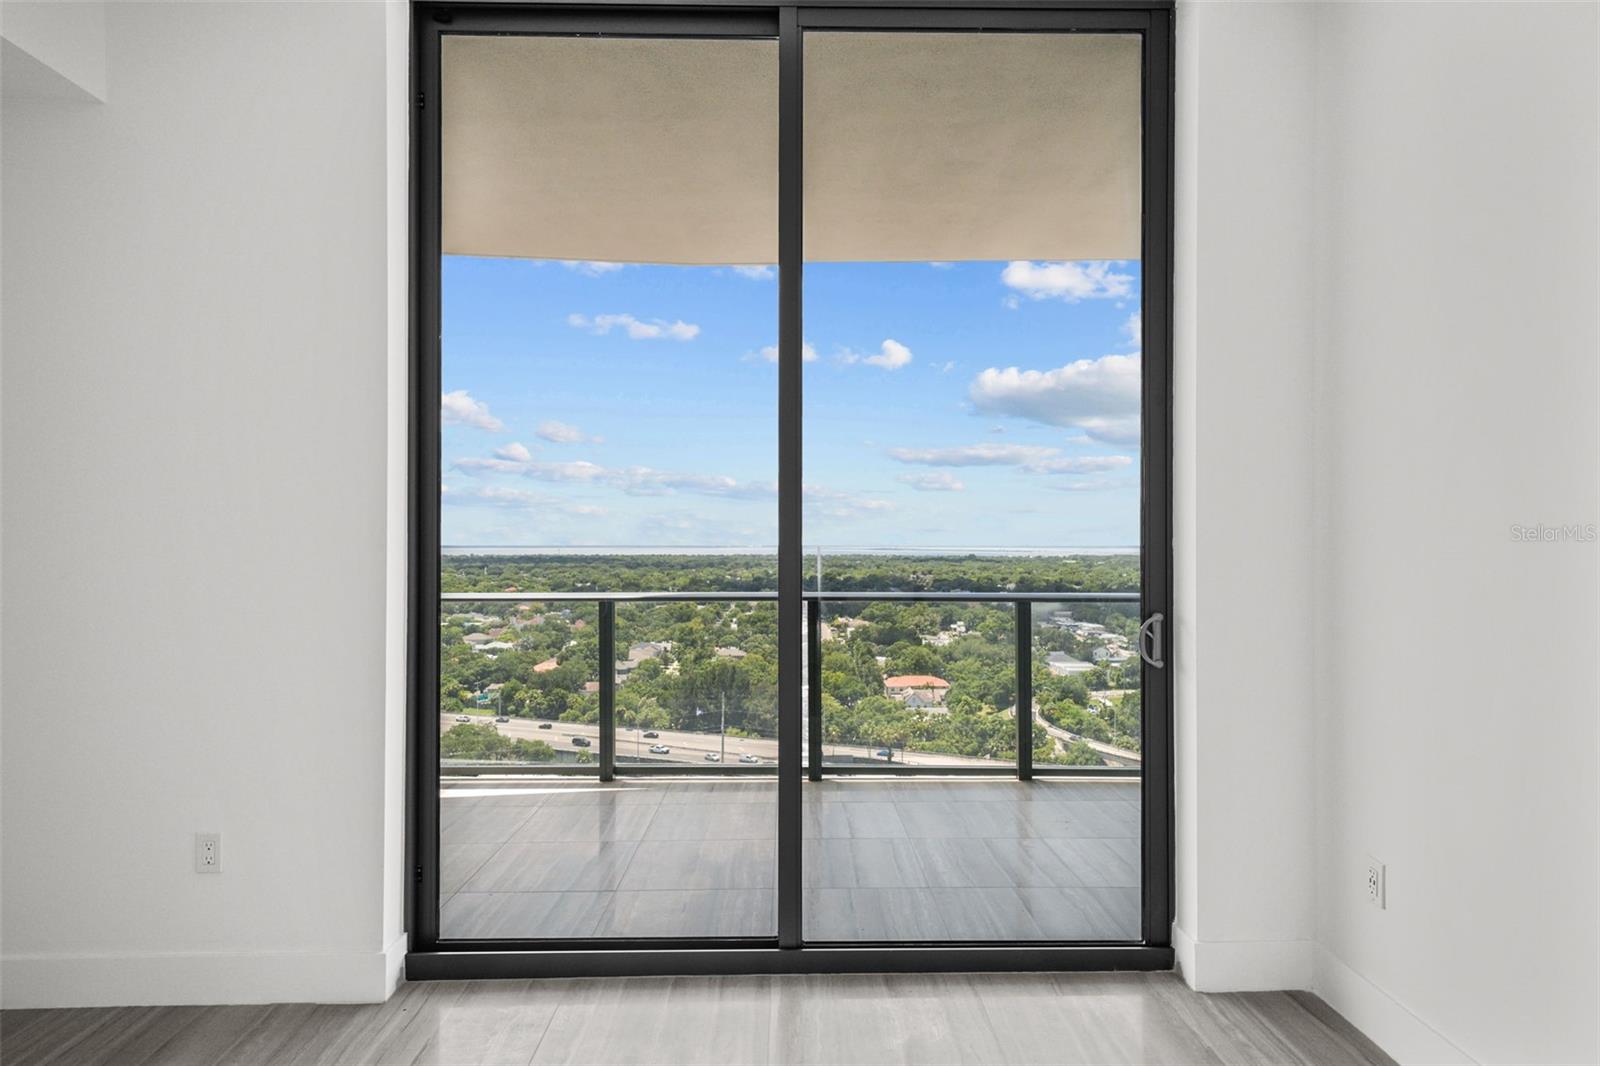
x=208 y=853
x=1377 y=890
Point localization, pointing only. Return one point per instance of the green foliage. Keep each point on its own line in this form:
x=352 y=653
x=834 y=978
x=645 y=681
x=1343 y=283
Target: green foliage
x=484 y=743
x=688 y=685
x=1080 y=754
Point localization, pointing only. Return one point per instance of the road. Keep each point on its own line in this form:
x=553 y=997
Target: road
x=691 y=748
x=1114 y=755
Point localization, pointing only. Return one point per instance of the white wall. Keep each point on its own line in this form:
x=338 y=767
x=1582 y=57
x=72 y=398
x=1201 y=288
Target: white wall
x=1386 y=357
x=1242 y=495
x=53 y=48
x=203 y=334
x=1458 y=395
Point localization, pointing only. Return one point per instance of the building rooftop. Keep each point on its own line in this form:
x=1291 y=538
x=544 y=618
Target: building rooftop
x=916 y=681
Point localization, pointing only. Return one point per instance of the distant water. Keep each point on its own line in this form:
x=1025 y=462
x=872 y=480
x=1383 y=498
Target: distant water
x=810 y=551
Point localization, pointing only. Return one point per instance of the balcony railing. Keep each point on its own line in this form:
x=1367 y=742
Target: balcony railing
x=607 y=767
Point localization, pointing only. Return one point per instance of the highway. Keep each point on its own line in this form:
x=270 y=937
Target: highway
x=691 y=748
x=1114 y=755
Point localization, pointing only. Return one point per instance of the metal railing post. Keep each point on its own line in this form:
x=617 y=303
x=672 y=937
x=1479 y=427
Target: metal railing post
x=1024 y=623
x=814 y=689
x=608 y=690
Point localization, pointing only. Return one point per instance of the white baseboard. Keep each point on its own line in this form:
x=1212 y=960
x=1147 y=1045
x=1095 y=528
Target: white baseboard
x=1385 y=1020
x=1243 y=965
x=200 y=978
x=394 y=963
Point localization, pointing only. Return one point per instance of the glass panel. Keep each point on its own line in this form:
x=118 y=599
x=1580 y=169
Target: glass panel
x=697 y=685
x=921 y=685
x=518 y=685
x=1086 y=684
x=609 y=425
x=972 y=423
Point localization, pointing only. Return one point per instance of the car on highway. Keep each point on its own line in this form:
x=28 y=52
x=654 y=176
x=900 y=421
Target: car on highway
x=463 y=717
x=580 y=742
x=502 y=719
x=884 y=753
x=748 y=758
x=544 y=725
x=660 y=749
x=651 y=735
x=712 y=756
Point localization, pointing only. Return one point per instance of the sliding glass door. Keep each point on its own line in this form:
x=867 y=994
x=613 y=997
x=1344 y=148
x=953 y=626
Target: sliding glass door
x=791 y=489
x=972 y=421
x=608 y=225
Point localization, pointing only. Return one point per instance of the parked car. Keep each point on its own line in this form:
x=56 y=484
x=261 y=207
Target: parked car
x=712 y=756
x=463 y=717
x=580 y=742
x=748 y=758
x=651 y=735
x=544 y=725
x=660 y=749
x=502 y=718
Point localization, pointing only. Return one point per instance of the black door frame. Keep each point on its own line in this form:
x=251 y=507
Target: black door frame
x=431 y=957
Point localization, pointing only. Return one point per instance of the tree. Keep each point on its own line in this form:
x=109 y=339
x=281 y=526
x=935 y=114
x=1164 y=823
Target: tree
x=485 y=743
x=1080 y=754
x=908 y=658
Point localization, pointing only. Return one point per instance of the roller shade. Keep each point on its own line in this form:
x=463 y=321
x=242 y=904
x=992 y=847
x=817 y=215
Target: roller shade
x=918 y=146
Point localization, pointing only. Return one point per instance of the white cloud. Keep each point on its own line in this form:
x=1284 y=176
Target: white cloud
x=946 y=366
x=636 y=329
x=1032 y=458
x=1088 y=280
x=1094 y=484
x=459 y=409
x=591 y=267
x=633 y=480
x=939 y=482
x=1124 y=430
x=756 y=272
x=976 y=455
x=807 y=353
x=836 y=503
x=1081 y=464
x=891 y=355
x=937 y=265
x=562 y=433
x=1134 y=328
x=1098 y=396
x=512 y=499
x=515 y=452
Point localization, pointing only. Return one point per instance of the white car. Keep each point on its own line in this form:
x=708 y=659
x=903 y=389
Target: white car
x=712 y=756
x=463 y=717
x=748 y=758
x=660 y=749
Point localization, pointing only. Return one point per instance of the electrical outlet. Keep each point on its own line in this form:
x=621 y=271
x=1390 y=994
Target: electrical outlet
x=208 y=853
x=1376 y=888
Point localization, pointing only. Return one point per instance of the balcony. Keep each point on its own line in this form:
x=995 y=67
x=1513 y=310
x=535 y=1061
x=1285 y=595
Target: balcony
x=605 y=822
x=618 y=741
x=885 y=859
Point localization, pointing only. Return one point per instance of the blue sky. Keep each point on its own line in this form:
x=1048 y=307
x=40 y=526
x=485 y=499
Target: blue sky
x=964 y=405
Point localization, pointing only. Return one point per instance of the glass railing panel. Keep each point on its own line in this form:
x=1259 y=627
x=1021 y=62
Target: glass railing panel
x=1086 y=685
x=519 y=685
x=916 y=684
x=697 y=685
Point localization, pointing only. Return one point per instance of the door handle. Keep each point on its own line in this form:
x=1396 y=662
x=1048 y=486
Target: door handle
x=1150 y=634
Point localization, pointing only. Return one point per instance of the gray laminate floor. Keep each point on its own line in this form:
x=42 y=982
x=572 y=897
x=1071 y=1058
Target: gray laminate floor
x=885 y=859
x=914 y=1018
